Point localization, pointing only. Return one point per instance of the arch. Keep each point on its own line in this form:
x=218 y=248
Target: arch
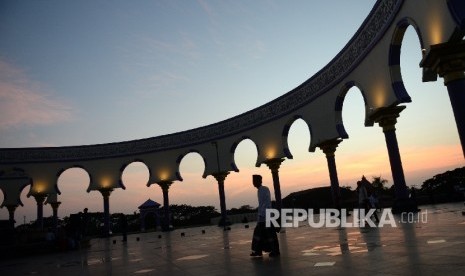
x=7 y=195
x=435 y=109
x=339 y=104
x=10 y=193
x=394 y=59
x=16 y=179
x=183 y=156
x=28 y=212
x=60 y=173
x=126 y=165
x=373 y=32
x=370 y=34
x=285 y=134
x=234 y=148
x=21 y=189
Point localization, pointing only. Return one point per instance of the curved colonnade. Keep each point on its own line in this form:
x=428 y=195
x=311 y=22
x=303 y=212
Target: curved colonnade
x=369 y=61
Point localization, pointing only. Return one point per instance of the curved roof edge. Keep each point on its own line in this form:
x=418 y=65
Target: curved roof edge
x=366 y=37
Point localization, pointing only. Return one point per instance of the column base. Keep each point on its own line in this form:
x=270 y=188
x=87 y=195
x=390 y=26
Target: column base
x=404 y=206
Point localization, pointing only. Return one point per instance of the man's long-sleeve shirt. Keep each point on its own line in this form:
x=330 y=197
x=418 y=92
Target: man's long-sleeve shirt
x=264 y=202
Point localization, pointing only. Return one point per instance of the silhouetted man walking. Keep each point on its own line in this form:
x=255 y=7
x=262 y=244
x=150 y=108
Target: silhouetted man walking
x=264 y=238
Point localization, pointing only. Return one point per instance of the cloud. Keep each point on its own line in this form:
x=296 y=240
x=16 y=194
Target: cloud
x=24 y=102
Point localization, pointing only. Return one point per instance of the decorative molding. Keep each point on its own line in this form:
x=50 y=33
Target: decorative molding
x=372 y=29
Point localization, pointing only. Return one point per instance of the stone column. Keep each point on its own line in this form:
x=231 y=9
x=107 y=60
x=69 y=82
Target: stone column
x=274 y=165
x=165 y=185
x=55 y=206
x=448 y=61
x=329 y=148
x=40 y=198
x=52 y=199
x=387 y=119
x=11 y=213
x=106 y=210
x=220 y=177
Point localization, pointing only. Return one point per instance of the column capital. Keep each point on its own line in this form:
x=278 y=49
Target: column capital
x=447 y=60
x=105 y=191
x=220 y=176
x=329 y=146
x=165 y=184
x=274 y=163
x=11 y=208
x=40 y=198
x=386 y=117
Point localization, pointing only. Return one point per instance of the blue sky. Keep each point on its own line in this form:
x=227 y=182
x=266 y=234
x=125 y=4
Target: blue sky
x=89 y=72
x=157 y=61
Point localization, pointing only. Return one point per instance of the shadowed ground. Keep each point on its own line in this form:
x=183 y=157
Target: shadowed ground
x=432 y=247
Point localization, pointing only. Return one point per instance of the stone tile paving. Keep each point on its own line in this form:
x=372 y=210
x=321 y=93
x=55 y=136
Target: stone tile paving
x=435 y=246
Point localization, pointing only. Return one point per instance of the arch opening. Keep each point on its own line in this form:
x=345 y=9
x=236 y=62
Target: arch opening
x=134 y=180
x=73 y=195
x=352 y=152
x=343 y=103
x=27 y=211
x=429 y=145
x=298 y=138
x=245 y=152
x=238 y=186
x=135 y=174
x=194 y=188
x=395 y=50
x=191 y=166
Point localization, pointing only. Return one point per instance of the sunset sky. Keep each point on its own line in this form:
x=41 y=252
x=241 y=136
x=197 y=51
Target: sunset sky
x=90 y=72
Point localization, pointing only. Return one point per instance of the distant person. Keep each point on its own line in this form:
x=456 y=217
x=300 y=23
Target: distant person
x=362 y=195
x=413 y=195
x=413 y=199
x=85 y=223
x=264 y=238
x=363 y=201
x=50 y=237
x=373 y=199
x=74 y=229
x=124 y=227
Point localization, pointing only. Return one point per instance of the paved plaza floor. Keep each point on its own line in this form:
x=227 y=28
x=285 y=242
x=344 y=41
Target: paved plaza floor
x=430 y=245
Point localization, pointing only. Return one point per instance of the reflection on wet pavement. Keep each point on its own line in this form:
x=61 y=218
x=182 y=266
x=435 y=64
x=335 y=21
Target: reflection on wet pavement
x=434 y=247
